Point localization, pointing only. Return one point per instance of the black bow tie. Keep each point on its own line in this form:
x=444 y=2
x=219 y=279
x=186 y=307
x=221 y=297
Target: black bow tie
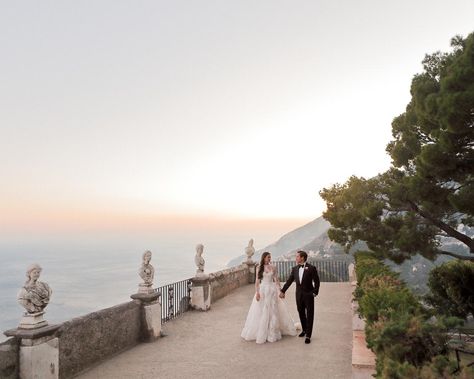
x=301 y=266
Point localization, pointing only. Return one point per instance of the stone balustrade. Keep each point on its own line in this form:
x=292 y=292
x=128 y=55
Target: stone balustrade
x=65 y=350
x=89 y=339
x=224 y=282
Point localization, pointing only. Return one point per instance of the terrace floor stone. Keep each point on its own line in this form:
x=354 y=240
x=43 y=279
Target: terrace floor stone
x=208 y=344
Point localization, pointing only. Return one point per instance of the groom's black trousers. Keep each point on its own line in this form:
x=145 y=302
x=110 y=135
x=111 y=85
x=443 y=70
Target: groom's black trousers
x=305 y=306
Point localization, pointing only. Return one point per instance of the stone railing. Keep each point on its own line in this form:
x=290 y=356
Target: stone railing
x=105 y=333
x=63 y=351
x=76 y=344
x=210 y=288
x=224 y=282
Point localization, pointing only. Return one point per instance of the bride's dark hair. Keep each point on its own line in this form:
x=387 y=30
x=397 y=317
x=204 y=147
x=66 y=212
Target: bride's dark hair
x=262 y=263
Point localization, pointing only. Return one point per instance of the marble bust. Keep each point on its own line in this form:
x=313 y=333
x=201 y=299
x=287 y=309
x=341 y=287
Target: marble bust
x=250 y=251
x=146 y=271
x=34 y=295
x=199 y=260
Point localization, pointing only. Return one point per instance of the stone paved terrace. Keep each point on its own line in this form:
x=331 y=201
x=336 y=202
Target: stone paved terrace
x=208 y=344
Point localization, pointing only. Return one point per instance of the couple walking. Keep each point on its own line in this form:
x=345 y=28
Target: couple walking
x=268 y=318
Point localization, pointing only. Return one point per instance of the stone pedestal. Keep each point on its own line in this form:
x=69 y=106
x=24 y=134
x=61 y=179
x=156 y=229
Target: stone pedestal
x=351 y=271
x=150 y=315
x=251 y=267
x=201 y=293
x=32 y=321
x=39 y=352
x=145 y=288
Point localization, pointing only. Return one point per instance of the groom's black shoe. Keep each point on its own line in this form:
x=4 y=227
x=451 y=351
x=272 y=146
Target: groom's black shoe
x=307 y=340
x=302 y=334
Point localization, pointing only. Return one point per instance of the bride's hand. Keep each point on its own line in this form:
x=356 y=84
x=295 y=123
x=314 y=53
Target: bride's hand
x=257 y=296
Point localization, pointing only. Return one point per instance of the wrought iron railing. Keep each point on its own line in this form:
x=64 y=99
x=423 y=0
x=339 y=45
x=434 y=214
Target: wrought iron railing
x=328 y=270
x=175 y=299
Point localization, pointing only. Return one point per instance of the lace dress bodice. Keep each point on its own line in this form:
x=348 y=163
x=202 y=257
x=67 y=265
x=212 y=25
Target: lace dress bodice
x=268 y=277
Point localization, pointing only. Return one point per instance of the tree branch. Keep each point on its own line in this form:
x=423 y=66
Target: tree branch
x=469 y=242
x=458 y=256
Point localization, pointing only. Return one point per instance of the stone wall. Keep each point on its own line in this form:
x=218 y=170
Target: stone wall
x=87 y=340
x=225 y=281
x=9 y=359
x=94 y=337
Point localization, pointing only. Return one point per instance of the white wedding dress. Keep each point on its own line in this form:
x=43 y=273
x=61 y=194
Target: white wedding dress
x=268 y=319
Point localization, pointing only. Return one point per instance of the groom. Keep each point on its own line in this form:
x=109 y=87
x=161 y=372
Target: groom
x=307 y=288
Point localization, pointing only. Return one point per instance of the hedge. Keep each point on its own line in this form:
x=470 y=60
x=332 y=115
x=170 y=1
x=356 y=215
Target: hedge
x=407 y=340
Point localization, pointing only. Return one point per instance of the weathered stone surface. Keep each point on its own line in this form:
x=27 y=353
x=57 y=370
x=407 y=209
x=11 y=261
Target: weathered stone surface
x=352 y=274
x=199 y=260
x=362 y=356
x=151 y=322
x=33 y=321
x=221 y=283
x=146 y=297
x=40 y=361
x=251 y=267
x=147 y=273
x=33 y=334
x=34 y=295
x=357 y=322
x=201 y=295
x=94 y=337
x=9 y=364
x=250 y=251
x=225 y=281
x=203 y=345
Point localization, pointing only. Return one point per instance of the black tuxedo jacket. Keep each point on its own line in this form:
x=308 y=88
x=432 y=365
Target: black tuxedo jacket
x=309 y=283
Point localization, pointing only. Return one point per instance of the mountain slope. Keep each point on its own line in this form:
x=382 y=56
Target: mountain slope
x=291 y=241
x=313 y=239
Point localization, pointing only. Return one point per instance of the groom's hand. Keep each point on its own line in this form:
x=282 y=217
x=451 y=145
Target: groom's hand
x=282 y=295
x=257 y=296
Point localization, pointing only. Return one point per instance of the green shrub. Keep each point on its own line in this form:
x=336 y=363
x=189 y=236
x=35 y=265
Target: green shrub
x=452 y=288
x=408 y=342
x=407 y=338
x=439 y=368
x=367 y=265
x=386 y=302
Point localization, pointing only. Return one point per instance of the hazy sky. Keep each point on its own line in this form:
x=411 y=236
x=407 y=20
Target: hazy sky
x=223 y=108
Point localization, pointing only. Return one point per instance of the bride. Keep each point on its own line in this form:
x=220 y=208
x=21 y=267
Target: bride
x=268 y=318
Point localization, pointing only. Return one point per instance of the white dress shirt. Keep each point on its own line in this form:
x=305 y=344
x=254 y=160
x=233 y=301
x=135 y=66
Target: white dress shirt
x=301 y=271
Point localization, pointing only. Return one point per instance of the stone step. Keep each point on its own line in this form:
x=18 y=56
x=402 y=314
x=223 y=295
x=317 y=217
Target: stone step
x=362 y=356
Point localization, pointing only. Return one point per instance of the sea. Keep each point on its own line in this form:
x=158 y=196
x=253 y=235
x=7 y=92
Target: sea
x=88 y=273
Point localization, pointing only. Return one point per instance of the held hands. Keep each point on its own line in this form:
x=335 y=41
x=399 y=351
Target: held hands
x=282 y=295
x=257 y=296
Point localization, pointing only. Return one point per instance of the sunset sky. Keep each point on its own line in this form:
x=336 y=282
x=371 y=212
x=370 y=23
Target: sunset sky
x=122 y=112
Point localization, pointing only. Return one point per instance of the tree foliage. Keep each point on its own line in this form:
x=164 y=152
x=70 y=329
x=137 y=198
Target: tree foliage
x=407 y=341
x=428 y=192
x=451 y=287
